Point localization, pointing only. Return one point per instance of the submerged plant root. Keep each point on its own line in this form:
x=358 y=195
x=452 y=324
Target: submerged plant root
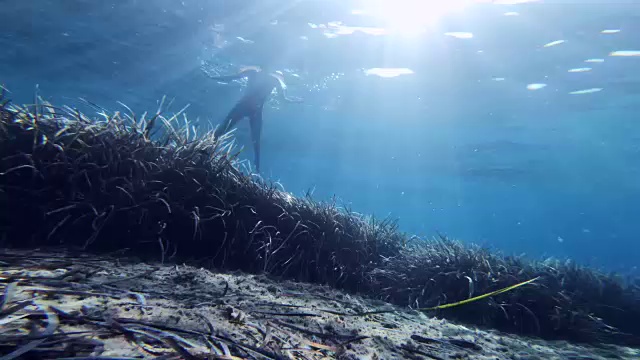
x=160 y=190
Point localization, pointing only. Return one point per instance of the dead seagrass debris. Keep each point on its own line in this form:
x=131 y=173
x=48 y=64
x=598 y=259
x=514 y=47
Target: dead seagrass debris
x=170 y=327
x=93 y=321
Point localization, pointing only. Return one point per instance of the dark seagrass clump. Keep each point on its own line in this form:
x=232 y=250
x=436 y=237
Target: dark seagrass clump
x=158 y=187
x=567 y=302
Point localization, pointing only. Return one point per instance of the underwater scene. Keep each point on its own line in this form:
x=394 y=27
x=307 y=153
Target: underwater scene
x=319 y=179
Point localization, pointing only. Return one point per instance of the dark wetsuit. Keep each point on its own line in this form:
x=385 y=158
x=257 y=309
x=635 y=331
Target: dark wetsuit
x=259 y=88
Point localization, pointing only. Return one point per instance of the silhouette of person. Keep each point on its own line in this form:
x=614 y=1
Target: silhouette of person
x=260 y=86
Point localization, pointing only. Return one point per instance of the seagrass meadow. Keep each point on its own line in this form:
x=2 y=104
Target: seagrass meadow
x=156 y=187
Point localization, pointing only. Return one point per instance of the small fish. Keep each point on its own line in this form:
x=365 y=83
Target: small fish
x=388 y=72
x=625 y=53
x=246 y=41
x=583 y=69
x=535 y=86
x=553 y=43
x=585 y=91
x=460 y=34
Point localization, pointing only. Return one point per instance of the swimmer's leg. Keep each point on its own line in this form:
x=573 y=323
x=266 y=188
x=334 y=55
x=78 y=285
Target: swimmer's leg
x=237 y=113
x=255 y=122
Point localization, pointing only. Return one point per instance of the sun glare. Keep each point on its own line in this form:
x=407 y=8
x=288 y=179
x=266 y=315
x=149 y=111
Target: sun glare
x=411 y=16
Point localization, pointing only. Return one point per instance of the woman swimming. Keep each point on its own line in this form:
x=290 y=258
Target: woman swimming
x=260 y=86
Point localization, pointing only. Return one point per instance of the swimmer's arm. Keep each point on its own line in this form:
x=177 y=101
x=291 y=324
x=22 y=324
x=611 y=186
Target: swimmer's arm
x=228 y=78
x=281 y=87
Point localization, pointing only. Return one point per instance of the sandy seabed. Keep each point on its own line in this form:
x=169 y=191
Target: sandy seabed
x=60 y=305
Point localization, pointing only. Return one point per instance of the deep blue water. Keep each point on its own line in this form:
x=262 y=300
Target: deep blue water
x=459 y=146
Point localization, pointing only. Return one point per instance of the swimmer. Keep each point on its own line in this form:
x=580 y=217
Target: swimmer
x=259 y=87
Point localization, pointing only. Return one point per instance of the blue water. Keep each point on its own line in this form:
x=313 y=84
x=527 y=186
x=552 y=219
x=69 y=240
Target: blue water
x=462 y=143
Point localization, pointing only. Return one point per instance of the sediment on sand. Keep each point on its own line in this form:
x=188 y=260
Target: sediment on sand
x=85 y=306
x=160 y=189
